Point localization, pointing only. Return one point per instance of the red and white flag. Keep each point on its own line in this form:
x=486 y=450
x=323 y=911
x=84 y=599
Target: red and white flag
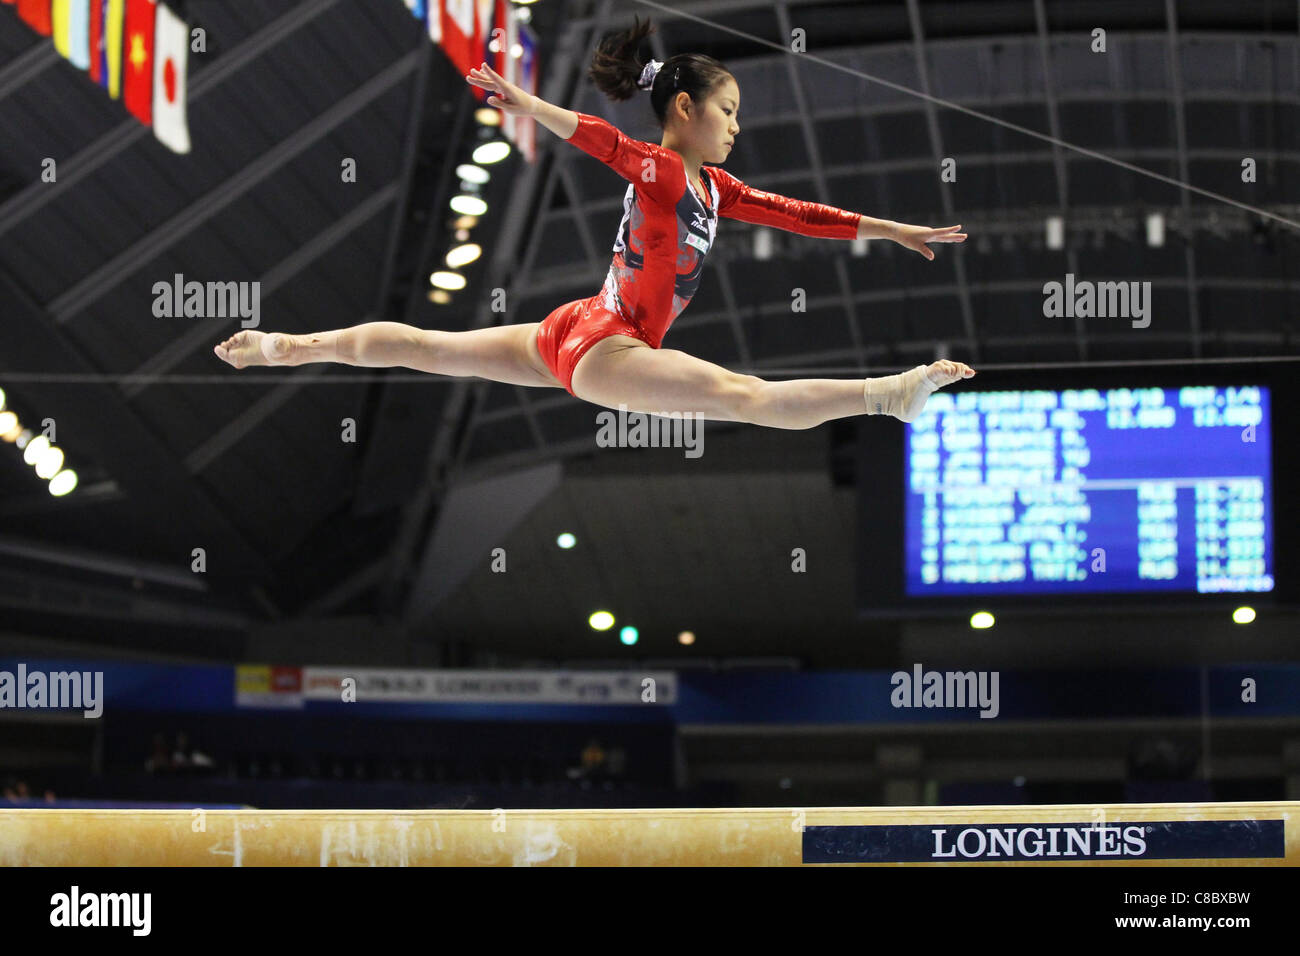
x=170 y=59
x=458 y=29
x=137 y=59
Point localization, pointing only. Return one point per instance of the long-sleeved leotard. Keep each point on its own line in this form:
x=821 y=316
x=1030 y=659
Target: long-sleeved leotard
x=666 y=231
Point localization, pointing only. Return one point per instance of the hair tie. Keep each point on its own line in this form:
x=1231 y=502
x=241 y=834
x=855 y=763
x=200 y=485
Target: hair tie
x=647 y=79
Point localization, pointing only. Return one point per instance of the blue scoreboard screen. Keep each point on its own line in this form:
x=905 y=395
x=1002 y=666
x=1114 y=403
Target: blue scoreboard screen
x=1089 y=491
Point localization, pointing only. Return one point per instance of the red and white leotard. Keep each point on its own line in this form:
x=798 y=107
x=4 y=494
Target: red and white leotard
x=666 y=231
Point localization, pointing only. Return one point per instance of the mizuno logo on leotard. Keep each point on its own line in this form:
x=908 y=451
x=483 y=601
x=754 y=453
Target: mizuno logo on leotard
x=701 y=221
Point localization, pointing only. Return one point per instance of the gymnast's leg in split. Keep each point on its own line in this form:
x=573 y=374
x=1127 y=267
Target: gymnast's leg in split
x=619 y=371
x=503 y=353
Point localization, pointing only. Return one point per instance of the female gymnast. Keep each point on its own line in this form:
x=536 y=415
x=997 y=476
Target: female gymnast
x=605 y=349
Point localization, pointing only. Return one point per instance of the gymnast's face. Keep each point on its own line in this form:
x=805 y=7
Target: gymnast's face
x=711 y=127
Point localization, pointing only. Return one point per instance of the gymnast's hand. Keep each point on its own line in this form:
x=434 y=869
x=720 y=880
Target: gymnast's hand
x=508 y=98
x=916 y=237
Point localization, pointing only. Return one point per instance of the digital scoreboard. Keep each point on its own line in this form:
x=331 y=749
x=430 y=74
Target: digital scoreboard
x=1113 y=490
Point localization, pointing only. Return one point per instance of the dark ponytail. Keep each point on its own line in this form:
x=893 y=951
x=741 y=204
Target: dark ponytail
x=616 y=67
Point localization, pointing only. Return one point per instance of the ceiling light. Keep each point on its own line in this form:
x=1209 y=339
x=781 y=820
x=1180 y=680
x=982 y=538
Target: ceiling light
x=63 y=482
x=35 y=448
x=51 y=460
x=448 y=280
x=1155 y=230
x=492 y=152
x=464 y=255
x=1055 y=232
x=470 y=205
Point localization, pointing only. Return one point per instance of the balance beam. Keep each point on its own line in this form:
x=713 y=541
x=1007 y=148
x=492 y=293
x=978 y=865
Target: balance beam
x=1082 y=835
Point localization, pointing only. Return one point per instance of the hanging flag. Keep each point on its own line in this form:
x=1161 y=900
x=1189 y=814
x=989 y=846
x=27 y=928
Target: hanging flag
x=458 y=29
x=97 y=41
x=171 y=52
x=70 y=20
x=529 y=72
x=137 y=56
x=114 y=18
x=506 y=28
x=36 y=14
x=435 y=21
x=482 y=18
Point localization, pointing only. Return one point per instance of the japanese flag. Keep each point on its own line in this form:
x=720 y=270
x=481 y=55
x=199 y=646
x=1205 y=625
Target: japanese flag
x=171 y=53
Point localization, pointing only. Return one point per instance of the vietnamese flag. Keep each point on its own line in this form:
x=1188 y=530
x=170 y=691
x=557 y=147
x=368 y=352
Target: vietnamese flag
x=137 y=59
x=36 y=14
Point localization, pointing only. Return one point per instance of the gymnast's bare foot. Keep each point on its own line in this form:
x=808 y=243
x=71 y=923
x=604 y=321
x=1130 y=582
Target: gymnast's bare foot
x=945 y=372
x=904 y=395
x=250 y=347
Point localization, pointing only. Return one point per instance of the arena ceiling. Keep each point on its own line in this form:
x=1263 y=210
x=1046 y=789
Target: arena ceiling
x=178 y=452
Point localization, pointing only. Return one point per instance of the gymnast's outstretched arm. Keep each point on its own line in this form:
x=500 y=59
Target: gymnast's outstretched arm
x=738 y=200
x=511 y=99
x=630 y=158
